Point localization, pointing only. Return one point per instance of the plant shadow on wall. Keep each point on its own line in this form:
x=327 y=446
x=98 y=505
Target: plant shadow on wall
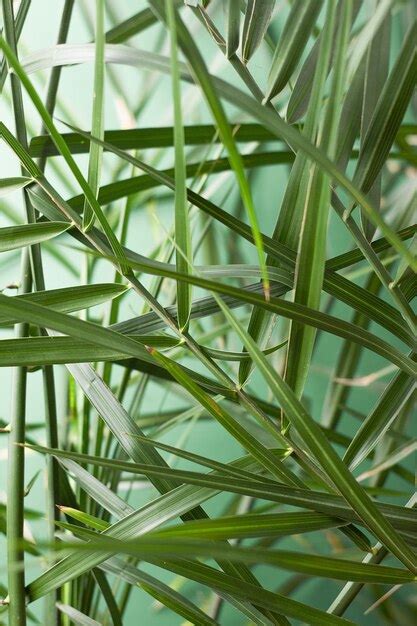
x=207 y=310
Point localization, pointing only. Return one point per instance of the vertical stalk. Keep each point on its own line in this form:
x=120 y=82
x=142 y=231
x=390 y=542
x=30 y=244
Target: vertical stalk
x=56 y=71
x=16 y=477
x=48 y=373
x=31 y=268
x=16 y=458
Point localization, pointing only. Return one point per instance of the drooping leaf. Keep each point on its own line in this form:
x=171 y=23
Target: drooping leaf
x=257 y=17
x=291 y=44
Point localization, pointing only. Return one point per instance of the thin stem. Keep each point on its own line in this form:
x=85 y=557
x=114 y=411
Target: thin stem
x=56 y=71
x=16 y=477
x=32 y=272
x=16 y=458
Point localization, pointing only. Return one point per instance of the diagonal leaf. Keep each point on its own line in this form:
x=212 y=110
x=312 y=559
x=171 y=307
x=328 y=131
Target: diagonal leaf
x=61 y=146
x=380 y=419
x=331 y=463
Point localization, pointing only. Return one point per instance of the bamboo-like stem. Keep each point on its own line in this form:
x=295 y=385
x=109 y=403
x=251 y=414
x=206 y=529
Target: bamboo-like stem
x=51 y=420
x=16 y=454
x=16 y=477
x=32 y=274
x=56 y=71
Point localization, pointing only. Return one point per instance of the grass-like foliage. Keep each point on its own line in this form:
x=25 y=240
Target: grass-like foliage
x=209 y=214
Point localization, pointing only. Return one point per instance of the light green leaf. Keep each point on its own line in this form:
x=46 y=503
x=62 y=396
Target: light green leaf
x=14 y=237
x=233 y=27
x=153 y=545
x=97 y=118
x=8 y=185
x=76 y=616
x=183 y=254
x=291 y=44
x=257 y=17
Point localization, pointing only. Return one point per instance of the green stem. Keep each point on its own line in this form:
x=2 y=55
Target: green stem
x=32 y=267
x=16 y=458
x=56 y=71
x=16 y=478
x=51 y=425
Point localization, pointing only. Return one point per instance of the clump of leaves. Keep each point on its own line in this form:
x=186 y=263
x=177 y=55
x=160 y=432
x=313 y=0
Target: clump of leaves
x=251 y=210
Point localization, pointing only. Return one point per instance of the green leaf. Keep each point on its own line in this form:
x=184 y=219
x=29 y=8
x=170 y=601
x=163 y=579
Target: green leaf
x=313 y=236
x=14 y=237
x=35 y=351
x=337 y=394
x=127 y=187
x=8 y=185
x=377 y=66
x=69 y=299
x=290 y=220
x=262 y=454
x=122 y=425
x=252 y=525
x=233 y=27
x=334 y=284
x=257 y=17
x=108 y=596
x=323 y=452
x=392 y=459
x=300 y=313
x=217 y=580
x=228 y=584
x=160 y=591
x=300 y=96
x=61 y=146
x=402 y=519
x=97 y=118
x=205 y=462
x=388 y=114
x=159 y=137
x=203 y=78
x=23 y=310
x=380 y=418
x=402 y=270
x=21 y=16
x=85 y=518
x=177 y=501
x=291 y=482
x=133 y=25
x=76 y=616
x=267 y=117
x=294 y=38
x=154 y=546
x=183 y=253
